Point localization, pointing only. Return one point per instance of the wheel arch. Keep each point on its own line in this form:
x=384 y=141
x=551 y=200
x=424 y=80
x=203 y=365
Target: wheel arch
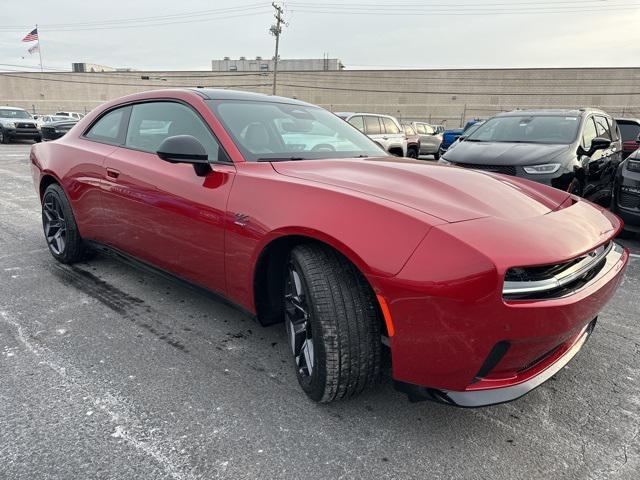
x=46 y=180
x=271 y=264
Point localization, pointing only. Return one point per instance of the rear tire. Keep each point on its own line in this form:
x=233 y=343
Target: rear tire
x=60 y=228
x=332 y=324
x=436 y=156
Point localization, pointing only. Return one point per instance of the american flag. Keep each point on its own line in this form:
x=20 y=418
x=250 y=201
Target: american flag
x=32 y=36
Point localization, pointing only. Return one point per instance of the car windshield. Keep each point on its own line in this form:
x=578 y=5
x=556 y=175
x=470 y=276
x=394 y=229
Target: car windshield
x=528 y=129
x=629 y=131
x=11 y=113
x=279 y=131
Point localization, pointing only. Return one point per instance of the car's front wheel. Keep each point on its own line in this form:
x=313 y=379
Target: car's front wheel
x=4 y=138
x=60 y=228
x=332 y=324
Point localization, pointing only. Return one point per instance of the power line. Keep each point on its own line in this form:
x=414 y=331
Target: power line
x=23 y=76
x=117 y=25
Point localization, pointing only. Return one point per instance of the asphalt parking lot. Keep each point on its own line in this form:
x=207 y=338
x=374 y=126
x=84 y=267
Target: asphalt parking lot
x=107 y=371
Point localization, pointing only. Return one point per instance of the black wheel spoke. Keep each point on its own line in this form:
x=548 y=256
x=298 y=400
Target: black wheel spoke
x=55 y=227
x=298 y=323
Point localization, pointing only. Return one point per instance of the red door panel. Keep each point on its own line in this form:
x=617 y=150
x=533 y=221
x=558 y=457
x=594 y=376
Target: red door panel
x=82 y=179
x=166 y=215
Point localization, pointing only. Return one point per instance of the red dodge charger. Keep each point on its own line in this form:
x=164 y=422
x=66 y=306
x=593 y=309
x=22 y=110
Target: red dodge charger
x=483 y=286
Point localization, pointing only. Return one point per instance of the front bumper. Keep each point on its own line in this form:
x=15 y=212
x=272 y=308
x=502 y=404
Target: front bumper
x=450 y=323
x=22 y=133
x=492 y=396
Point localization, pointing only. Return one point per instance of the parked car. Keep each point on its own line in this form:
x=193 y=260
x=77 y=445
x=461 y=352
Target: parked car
x=482 y=286
x=573 y=150
x=630 y=132
x=42 y=119
x=17 y=124
x=468 y=132
x=76 y=115
x=55 y=130
x=413 y=140
x=627 y=193
x=385 y=130
x=450 y=136
x=429 y=140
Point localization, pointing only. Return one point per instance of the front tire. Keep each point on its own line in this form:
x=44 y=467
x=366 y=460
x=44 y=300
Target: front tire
x=60 y=228
x=332 y=324
x=4 y=138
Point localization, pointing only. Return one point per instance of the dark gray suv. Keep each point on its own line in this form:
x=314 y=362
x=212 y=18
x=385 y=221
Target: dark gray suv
x=573 y=150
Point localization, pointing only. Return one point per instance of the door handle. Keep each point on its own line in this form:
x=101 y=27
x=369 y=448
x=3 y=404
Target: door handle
x=112 y=173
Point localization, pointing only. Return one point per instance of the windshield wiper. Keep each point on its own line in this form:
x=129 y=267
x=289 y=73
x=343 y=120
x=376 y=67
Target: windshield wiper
x=281 y=159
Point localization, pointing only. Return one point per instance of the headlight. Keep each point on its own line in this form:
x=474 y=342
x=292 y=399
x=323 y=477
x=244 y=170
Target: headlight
x=442 y=161
x=542 y=169
x=10 y=125
x=633 y=165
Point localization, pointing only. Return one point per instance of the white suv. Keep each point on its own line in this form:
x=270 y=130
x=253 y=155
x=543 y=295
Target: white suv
x=75 y=115
x=385 y=130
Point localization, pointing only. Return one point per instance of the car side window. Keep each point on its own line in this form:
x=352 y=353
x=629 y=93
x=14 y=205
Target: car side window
x=390 y=126
x=588 y=133
x=152 y=122
x=372 y=125
x=602 y=127
x=429 y=130
x=420 y=129
x=357 y=122
x=408 y=130
x=615 y=131
x=107 y=128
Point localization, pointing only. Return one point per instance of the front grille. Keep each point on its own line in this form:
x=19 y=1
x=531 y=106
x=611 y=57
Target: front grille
x=48 y=129
x=30 y=126
x=504 y=169
x=628 y=200
x=555 y=281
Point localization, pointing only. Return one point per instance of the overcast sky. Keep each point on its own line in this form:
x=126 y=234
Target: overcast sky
x=362 y=33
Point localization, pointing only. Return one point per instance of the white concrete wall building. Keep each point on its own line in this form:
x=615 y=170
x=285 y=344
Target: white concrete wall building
x=449 y=96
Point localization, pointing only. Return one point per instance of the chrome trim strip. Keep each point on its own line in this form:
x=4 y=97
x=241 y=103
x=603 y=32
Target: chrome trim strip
x=569 y=275
x=480 y=398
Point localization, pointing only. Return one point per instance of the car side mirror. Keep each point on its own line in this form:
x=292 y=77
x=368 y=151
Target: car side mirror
x=599 y=143
x=185 y=149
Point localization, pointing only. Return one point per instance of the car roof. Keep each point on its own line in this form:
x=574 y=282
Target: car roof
x=559 y=112
x=6 y=107
x=628 y=120
x=352 y=114
x=223 y=94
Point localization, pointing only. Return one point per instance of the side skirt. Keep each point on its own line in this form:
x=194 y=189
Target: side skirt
x=147 y=267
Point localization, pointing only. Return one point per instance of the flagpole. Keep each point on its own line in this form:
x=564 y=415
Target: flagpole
x=39 y=48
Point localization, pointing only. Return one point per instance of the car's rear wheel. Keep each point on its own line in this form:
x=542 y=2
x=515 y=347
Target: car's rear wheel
x=332 y=324
x=60 y=228
x=436 y=156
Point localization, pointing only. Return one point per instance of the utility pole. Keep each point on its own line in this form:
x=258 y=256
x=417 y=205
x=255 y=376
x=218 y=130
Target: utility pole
x=276 y=30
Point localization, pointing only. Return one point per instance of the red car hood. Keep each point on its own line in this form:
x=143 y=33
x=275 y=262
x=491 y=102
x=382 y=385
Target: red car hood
x=448 y=193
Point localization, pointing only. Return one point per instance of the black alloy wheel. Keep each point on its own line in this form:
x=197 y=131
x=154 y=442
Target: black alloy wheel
x=54 y=223
x=298 y=324
x=60 y=228
x=332 y=322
